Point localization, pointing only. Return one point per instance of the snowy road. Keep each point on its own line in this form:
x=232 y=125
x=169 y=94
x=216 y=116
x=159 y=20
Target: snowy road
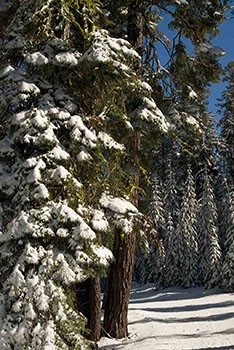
x=178 y=319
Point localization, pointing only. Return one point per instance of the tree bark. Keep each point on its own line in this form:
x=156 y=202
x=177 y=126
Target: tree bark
x=88 y=295
x=95 y=310
x=120 y=278
x=121 y=271
x=135 y=25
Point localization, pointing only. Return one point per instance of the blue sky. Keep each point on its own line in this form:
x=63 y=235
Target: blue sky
x=224 y=40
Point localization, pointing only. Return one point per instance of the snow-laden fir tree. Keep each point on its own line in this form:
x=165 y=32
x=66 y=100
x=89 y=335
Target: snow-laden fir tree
x=156 y=258
x=71 y=105
x=186 y=249
x=227 y=127
x=210 y=256
x=49 y=239
x=228 y=263
x=172 y=243
x=171 y=270
x=150 y=263
x=222 y=194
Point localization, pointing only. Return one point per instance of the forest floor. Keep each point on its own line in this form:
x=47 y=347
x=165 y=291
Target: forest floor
x=177 y=319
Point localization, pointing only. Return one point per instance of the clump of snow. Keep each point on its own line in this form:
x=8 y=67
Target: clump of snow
x=65 y=59
x=191 y=120
x=63 y=115
x=109 y=142
x=99 y=221
x=146 y=86
x=58 y=154
x=83 y=231
x=35 y=175
x=83 y=156
x=149 y=112
x=63 y=271
x=37 y=59
x=39 y=119
x=20 y=117
x=62 y=232
x=28 y=88
x=104 y=49
x=81 y=133
x=31 y=254
x=104 y=255
x=181 y=2
x=30 y=312
x=41 y=192
x=67 y=214
x=126 y=224
x=192 y=93
x=117 y=205
x=5 y=71
x=59 y=174
x=41 y=299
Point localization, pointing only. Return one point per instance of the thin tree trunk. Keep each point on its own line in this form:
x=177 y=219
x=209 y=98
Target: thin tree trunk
x=88 y=295
x=95 y=310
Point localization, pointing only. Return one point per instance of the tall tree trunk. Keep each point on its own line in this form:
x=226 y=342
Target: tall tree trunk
x=120 y=277
x=121 y=271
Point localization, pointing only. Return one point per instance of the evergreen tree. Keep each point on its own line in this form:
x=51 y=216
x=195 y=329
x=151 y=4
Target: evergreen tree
x=228 y=264
x=227 y=127
x=172 y=242
x=50 y=238
x=223 y=203
x=150 y=259
x=171 y=271
x=71 y=99
x=208 y=240
x=186 y=228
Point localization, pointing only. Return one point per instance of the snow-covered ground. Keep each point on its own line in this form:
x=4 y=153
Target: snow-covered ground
x=177 y=319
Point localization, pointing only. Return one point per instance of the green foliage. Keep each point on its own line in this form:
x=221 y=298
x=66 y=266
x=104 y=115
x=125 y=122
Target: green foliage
x=57 y=17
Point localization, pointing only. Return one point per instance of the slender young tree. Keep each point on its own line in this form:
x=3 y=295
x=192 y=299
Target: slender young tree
x=227 y=127
x=210 y=257
x=187 y=229
x=150 y=258
x=227 y=269
x=172 y=242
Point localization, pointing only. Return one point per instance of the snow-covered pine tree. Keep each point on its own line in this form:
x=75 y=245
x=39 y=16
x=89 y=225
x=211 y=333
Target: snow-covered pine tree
x=171 y=270
x=150 y=262
x=210 y=256
x=71 y=100
x=222 y=194
x=228 y=263
x=156 y=257
x=172 y=243
x=50 y=230
x=227 y=127
x=186 y=231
